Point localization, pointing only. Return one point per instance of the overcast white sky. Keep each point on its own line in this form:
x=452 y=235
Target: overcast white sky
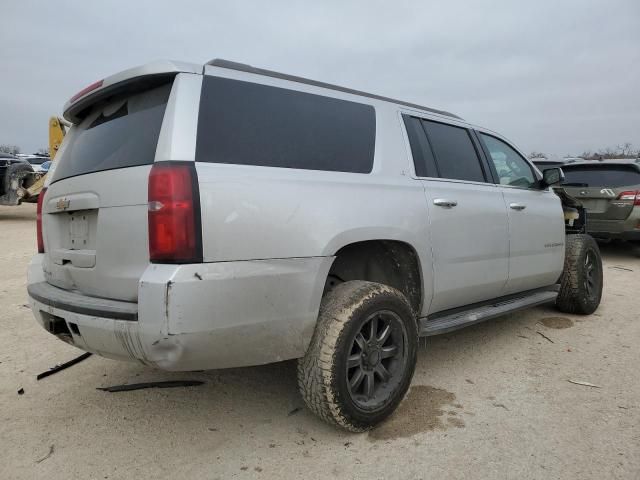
x=555 y=76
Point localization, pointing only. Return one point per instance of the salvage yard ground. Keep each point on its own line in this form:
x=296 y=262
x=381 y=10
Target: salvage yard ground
x=509 y=398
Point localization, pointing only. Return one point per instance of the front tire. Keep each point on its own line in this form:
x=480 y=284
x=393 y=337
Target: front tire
x=581 y=281
x=362 y=355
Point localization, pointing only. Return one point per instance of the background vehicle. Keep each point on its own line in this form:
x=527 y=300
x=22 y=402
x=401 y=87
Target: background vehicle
x=14 y=172
x=36 y=161
x=220 y=216
x=610 y=192
x=544 y=164
x=23 y=183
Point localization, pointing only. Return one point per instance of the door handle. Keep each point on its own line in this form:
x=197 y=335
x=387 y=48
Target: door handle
x=517 y=206
x=443 y=202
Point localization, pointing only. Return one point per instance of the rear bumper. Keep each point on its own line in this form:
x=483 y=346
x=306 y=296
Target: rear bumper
x=627 y=236
x=628 y=229
x=193 y=317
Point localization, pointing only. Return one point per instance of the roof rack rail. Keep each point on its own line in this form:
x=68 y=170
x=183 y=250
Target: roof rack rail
x=243 y=67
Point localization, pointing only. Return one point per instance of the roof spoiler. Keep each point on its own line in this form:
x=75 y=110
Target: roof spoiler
x=134 y=79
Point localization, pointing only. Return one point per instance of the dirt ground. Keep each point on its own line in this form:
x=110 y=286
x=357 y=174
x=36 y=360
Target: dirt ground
x=491 y=401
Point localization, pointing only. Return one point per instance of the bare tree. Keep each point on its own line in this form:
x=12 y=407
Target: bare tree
x=13 y=149
x=43 y=151
x=626 y=150
x=535 y=154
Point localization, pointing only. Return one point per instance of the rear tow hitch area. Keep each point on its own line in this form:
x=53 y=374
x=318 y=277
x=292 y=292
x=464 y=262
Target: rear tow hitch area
x=58 y=327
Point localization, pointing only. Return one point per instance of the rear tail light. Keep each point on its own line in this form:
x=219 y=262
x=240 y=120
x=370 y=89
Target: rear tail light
x=175 y=234
x=39 y=221
x=630 y=196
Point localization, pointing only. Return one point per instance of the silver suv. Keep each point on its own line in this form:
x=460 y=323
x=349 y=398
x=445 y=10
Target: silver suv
x=222 y=216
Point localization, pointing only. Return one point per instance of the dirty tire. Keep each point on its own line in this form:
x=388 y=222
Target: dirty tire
x=323 y=377
x=581 y=281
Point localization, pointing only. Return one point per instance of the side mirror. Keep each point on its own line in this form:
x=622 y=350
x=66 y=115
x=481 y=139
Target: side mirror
x=552 y=176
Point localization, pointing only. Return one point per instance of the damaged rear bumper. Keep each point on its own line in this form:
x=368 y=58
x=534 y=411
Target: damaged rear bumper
x=193 y=317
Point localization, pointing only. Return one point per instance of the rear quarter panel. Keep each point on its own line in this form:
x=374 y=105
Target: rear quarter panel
x=253 y=213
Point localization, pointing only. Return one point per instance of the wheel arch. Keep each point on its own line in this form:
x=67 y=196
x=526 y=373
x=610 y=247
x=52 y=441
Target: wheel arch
x=388 y=261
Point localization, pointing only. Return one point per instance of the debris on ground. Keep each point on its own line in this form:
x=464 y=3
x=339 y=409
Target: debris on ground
x=622 y=268
x=62 y=366
x=21 y=391
x=140 y=386
x=544 y=336
x=294 y=411
x=584 y=384
x=51 y=449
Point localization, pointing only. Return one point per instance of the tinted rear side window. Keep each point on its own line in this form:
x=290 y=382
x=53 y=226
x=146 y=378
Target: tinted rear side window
x=251 y=124
x=599 y=176
x=421 y=151
x=455 y=154
x=120 y=133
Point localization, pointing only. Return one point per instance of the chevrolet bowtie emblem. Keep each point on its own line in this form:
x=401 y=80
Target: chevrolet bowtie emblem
x=62 y=204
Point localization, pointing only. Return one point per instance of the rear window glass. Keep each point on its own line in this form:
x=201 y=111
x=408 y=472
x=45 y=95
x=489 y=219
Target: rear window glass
x=455 y=154
x=122 y=132
x=612 y=177
x=251 y=124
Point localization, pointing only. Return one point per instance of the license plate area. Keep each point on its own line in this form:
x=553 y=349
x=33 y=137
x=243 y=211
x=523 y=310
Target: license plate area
x=75 y=230
x=598 y=205
x=72 y=238
x=79 y=230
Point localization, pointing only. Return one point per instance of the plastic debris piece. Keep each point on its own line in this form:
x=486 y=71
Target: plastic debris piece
x=140 y=386
x=584 y=384
x=62 y=366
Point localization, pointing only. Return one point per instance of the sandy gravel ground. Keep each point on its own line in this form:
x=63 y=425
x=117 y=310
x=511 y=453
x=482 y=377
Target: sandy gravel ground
x=490 y=401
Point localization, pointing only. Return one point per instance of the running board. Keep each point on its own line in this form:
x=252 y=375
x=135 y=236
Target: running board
x=448 y=322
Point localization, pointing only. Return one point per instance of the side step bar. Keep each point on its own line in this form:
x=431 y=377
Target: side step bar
x=454 y=319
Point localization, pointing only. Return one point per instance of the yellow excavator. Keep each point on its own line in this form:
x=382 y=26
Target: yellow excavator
x=18 y=181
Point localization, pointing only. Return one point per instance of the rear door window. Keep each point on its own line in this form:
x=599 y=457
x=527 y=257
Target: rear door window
x=120 y=133
x=455 y=155
x=247 y=123
x=613 y=176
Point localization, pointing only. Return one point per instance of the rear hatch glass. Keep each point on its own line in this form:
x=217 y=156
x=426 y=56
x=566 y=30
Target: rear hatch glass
x=118 y=133
x=601 y=176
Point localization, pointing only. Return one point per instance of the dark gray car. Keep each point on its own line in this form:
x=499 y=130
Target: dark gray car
x=609 y=190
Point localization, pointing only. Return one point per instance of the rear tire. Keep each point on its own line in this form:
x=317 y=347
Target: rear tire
x=581 y=281
x=362 y=355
